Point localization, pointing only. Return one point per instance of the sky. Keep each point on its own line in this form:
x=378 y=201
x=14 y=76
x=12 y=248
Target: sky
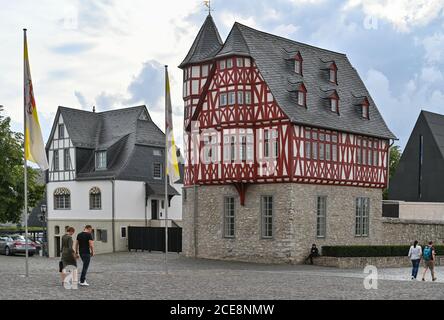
x=111 y=53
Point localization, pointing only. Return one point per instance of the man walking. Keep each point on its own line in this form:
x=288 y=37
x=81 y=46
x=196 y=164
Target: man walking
x=429 y=256
x=85 y=247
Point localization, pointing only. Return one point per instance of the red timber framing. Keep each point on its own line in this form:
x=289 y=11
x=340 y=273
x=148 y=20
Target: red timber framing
x=248 y=139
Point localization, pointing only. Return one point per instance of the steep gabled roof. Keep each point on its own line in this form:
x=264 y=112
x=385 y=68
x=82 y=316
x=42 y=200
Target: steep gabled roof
x=235 y=44
x=435 y=122
x=270 y=54
x=128 y=135
x=207 y=43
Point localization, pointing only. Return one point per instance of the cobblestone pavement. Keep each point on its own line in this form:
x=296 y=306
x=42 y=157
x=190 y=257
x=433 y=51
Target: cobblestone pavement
x=141 y=276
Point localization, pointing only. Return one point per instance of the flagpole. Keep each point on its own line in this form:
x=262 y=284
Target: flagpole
x=25 y=168
x=166 y=172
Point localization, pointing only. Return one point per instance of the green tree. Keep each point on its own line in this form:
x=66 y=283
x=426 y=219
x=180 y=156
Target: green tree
x=395 y=157
x=11 y=175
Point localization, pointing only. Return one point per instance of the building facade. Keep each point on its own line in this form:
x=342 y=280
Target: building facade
x=106 y=170
x=284 y=148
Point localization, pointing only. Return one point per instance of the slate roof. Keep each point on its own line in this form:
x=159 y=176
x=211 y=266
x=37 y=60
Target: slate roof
x=435 y=122
x=207 y=43
x=272 y=55
x=128 y=141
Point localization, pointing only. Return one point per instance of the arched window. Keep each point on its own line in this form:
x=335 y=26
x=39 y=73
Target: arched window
x=62 y=199
x=95 y=199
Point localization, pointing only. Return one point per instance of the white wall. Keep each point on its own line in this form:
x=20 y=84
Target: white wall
x=429 y=211
x=80 y=201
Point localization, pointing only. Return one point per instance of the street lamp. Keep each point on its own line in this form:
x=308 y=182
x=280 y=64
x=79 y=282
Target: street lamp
x=43 y=209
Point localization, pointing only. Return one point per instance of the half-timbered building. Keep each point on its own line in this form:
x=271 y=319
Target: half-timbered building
x=285 y=147
x=107 y=170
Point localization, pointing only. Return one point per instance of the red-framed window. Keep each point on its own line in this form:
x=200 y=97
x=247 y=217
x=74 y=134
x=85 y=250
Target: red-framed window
x=367 y=152
x=298 y=61
x=365 y=108
x=302 y=95
x=333 y=73
x=321 y=145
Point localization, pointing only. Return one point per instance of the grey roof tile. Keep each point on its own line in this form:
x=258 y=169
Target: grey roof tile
x=206 y=44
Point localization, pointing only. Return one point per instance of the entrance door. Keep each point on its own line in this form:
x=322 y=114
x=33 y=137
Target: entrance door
x=57 y=246
x=154 y=209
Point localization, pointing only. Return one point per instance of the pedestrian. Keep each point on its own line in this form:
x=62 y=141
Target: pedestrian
x=69 y=258
x=429 y=256
x=415 y=254
x=314 y=252
x=85 y=247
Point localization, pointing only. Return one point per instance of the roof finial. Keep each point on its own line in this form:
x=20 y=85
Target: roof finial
x=208 y=5
x=94 y=109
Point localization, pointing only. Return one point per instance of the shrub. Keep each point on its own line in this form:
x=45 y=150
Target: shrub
x=371 y=251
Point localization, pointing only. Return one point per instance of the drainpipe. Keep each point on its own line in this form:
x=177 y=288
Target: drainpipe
x=113 y=223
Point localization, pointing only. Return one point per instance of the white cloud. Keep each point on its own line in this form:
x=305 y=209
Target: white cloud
x=431 y=74
x=434 y=48
x=402 y=14
x=286 y=30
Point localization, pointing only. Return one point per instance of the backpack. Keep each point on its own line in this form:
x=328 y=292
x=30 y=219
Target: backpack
x=427 y=254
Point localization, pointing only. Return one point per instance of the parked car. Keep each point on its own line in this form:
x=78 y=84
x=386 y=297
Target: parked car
x=16 y=244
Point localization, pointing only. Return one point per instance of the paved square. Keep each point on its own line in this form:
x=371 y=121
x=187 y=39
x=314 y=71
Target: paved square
x=141 y=276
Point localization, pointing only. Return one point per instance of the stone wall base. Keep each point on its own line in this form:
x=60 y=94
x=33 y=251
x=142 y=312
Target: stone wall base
x=362 y=262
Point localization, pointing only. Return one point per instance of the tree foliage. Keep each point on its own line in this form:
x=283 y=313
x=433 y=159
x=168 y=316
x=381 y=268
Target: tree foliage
x=12 y=175
x=395 y=157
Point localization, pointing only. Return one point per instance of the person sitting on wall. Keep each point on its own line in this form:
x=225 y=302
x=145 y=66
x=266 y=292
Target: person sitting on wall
x=314 y=252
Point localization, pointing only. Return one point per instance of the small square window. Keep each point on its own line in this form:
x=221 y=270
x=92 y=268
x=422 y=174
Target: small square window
x=157 y=152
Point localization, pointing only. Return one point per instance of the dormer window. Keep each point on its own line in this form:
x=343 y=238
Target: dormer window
x=101 y=160
x=302 y=95
x=298 y=63
x=365 y=109
x=334 y=105
x=333 y=73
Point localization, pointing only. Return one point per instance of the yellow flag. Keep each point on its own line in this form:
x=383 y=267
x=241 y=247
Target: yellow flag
x=172 y=169
x=34 y=146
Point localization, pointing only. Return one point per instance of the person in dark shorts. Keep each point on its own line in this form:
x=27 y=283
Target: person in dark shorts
x=68 y=256
x=429 y=256
x=85 y=248
x=314 y=252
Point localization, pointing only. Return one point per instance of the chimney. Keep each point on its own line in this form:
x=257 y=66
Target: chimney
x=94 y=109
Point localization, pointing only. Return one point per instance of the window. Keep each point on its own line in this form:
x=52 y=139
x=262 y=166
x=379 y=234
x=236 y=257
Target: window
x=229 y=218
x=95 y=199
x=123 y=232
x=365 y=110
x=223 y=99
x=66 y=159
x=56 y=163
x=229 y=63
x=231 y=98
x=266 y=143
x=157 y=170
x=205 y=71
x=321 y=217
x=57 y=230
x=362 y=217
x=243 y=148
x=267 y=217
x=101 y=160
x=301 y=98
x=222 y=64
x=102 y=235
x=332 y=76
x=240 y=62
x=233 y=148
x=157 y=152
x=298 y=63
x=334 y=105
x=61 y=131
x=62 y=199
x=248 y=97
x=240 y=97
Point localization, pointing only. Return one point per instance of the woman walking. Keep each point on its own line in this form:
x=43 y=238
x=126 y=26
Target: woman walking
x=68 y=254
x=415 y=254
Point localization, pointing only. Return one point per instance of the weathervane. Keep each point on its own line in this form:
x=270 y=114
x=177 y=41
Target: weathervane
x=208 y=5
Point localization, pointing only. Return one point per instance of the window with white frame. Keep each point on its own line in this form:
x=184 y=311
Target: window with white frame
x=334 y=105
x=231 y=98
x=61 y=131
x=101 y=163
x=223 y=99
x=362 y=217
x=240 y=97
x=267 y=216
x=229 y=217
x=229 y=63
x=56 y=160
x=240 y=62
x=157 y=170
x=248 y=97
x=222 y=65
x=321 y=217
x=95 y=199
x=66 y=159
x=301 y=98
x=62 y=199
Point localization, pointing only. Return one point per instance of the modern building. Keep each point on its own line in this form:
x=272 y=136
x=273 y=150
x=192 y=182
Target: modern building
x=415 y=191
x=285 y=148
x=106 y=170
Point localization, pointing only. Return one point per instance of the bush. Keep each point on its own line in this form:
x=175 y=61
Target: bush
x=371 y=251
